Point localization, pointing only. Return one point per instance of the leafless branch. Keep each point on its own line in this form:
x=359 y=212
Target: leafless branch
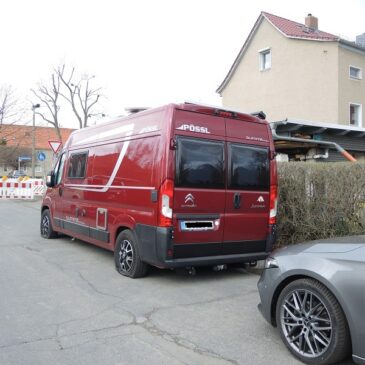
x=81 y=96
x=49 y=98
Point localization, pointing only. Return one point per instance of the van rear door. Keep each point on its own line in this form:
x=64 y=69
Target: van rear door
x=248 y=186
x=199 y=194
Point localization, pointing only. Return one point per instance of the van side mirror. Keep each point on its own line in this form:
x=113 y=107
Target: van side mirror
x=50 y=180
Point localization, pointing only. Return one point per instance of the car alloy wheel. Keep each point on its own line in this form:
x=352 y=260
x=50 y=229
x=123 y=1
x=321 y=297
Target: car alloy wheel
x=45 y=226
x=126 y=256
x=311 y=323
x=306 y=323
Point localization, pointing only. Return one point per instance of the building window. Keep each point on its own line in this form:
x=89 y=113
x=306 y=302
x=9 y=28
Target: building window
x=356 y=115
x=265 y=59
x=355 y=73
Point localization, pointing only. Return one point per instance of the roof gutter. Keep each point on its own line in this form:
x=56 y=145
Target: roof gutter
x=328 y=144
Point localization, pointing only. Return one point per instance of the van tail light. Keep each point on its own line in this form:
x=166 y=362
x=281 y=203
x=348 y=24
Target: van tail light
x=165 y=203
x=273 y=204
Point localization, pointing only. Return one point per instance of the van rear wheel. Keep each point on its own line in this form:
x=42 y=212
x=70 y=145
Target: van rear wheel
x=126 y=255
x=46 y=225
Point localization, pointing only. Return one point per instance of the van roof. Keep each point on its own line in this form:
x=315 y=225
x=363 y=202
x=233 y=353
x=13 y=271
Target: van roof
x=258 y=117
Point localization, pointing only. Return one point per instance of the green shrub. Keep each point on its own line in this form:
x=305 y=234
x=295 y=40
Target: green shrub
x=320 y=200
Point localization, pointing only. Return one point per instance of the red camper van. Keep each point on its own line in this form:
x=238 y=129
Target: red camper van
x=177 y=186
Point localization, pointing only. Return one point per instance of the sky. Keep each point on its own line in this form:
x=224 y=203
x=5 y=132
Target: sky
x=145 y=53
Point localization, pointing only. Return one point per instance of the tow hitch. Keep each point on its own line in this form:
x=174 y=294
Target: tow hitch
x=219 y=267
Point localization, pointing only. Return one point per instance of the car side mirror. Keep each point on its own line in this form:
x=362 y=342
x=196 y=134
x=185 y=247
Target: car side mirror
x=50 y=180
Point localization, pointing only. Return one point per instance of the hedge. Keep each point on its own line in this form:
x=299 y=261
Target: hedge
x=320 y=200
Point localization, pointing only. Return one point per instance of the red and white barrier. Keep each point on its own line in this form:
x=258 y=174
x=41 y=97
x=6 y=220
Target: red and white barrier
x=39 y=187
x=28 y=189
x=13 y=189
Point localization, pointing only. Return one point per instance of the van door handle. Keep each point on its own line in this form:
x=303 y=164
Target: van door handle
x=237 y=200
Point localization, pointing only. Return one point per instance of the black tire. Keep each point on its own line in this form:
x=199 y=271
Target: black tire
x=311 y=323
x=126 y=256
x=46 y=225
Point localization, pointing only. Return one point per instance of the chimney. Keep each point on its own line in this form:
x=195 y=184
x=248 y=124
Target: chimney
x=360 y=40
x=311 y=22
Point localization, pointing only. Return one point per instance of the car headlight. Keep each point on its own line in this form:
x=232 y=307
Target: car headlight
x=270 y=263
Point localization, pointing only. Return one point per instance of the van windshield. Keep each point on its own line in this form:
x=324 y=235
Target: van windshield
x=199 y=163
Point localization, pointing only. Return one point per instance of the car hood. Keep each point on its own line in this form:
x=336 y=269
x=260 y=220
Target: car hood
x=338 y=245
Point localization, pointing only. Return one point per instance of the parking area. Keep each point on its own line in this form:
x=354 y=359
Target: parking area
x=62 y=302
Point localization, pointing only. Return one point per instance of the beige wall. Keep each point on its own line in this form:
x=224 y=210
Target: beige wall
x=351 y=90
x=301 y=84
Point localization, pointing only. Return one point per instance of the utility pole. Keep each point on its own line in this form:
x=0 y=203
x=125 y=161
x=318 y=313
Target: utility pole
x=34 y=107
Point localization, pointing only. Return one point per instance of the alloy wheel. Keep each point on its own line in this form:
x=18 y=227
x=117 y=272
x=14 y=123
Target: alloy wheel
x=45 y=226
x=126 y=255
x=306 y=323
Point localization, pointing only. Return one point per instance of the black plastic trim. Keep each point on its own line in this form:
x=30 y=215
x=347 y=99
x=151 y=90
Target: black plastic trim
x=182 y=251
x=94 y=233
x=271 y=237
x=215 y=260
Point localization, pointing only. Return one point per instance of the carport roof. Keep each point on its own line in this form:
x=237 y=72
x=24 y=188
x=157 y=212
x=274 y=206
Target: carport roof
x=291 y=126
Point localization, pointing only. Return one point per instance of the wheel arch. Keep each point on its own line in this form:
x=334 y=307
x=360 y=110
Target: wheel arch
x=45 y=207
x=118 y=231
x=278 y=291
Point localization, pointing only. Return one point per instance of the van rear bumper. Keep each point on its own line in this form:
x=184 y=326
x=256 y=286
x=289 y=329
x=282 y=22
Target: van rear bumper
x=214 y=260
x=157 y=248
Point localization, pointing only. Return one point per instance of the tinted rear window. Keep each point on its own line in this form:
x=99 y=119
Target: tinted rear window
x=199 y=163
x=249 y=167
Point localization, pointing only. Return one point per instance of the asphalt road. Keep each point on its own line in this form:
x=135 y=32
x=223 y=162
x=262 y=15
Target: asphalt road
x=62 y=302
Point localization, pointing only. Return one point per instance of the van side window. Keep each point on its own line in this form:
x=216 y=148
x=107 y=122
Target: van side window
x=199 y=163
x=59 y=169
x=77 y=165
x=248 y=167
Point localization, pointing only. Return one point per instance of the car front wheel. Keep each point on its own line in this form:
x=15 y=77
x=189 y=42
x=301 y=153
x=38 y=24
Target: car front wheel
x=312 y=323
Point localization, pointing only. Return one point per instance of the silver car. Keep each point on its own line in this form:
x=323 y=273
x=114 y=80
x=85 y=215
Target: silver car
x=315 y=294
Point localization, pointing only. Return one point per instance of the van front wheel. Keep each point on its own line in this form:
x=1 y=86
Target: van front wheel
x=46 y=225
x=126 y=255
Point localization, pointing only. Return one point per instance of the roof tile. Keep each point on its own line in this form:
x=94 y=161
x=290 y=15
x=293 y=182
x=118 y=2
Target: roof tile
x=21 y=135
x=298 y=30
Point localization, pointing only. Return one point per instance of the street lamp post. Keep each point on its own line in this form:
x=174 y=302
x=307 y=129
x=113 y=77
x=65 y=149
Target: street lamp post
x=34 y=107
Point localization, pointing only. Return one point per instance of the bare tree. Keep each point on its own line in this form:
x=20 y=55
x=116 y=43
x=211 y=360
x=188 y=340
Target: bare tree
x=11 y=112
x=49 y=97
x=9 y=156
x=9 y=106
x=80 y=94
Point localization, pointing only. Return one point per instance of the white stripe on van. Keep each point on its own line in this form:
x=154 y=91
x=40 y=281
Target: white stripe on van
x=103 y=188
x=93 y=187
x=128 y=129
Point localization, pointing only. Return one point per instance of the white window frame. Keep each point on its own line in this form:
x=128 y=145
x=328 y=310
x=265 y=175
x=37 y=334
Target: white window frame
x=360 y=73
x=262 y=53
x=359 y=122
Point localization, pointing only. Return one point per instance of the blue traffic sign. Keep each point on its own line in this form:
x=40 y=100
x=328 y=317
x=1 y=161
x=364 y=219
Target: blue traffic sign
x=41 y=156
x=24 y=158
